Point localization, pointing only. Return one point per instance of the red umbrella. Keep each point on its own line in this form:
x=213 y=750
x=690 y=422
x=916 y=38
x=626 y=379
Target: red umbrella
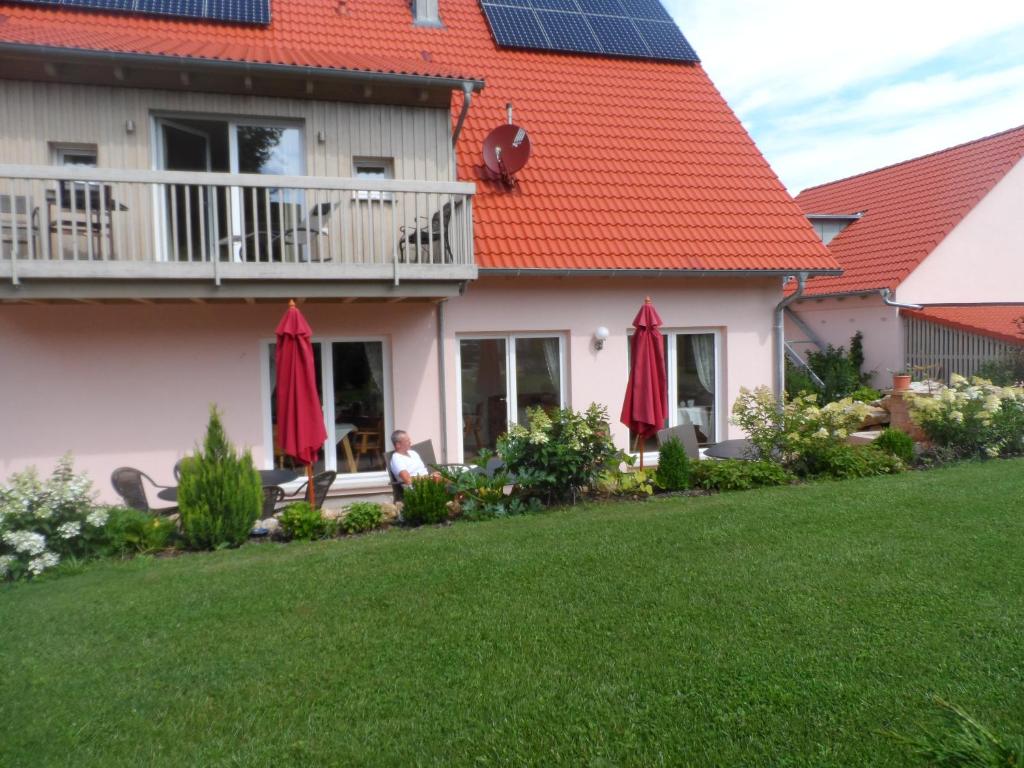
x=300 y=418
x=644 y=410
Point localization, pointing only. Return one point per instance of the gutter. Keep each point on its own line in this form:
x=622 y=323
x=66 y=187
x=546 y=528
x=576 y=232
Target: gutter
x=656 y=273
x=117 y=58
x=779 y=339
x=886 y=294
x=467 y=99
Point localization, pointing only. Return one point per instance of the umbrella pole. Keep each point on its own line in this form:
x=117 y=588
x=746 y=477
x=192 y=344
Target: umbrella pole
x=309 y=485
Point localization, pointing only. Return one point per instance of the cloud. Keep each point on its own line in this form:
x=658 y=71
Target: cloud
x=828 y=90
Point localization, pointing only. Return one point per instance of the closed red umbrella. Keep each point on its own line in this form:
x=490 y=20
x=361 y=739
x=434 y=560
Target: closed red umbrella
x=643 y=410
x=300 y=419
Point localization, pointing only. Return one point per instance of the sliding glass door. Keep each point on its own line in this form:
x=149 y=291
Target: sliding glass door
x=501 y=378
x=357 y=412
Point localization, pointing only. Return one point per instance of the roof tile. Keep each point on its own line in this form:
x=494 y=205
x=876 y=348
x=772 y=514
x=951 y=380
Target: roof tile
x=999 y=321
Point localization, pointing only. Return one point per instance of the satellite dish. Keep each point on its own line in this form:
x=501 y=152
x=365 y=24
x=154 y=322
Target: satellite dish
x=506 y=151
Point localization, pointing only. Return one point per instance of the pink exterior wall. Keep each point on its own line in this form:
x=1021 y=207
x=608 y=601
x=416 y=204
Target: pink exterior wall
x=740 y=308
x=981 y=259
x=835 y=320
x=131 y=384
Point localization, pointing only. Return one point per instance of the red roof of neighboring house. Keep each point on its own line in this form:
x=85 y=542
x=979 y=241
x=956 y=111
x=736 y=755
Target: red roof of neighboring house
x=636 y=164
x=908 y=210
x=999 y=321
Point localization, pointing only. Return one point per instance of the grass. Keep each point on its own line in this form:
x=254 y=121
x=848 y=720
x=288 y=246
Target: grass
x=783 y=627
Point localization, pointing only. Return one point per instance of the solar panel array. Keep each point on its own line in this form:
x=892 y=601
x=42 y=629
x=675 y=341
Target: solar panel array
x=237 y=11
x=633 y=28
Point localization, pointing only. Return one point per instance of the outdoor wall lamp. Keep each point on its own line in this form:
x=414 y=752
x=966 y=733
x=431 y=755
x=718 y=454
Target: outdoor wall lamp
x=600 y=335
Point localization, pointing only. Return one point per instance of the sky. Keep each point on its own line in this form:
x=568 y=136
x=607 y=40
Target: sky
x=829 y=90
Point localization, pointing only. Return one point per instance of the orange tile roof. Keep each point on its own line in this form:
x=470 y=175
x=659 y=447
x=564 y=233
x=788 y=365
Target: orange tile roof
x=908 y=209
x=636 y=164
x=998 y=321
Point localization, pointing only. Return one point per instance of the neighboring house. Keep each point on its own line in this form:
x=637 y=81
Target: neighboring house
x=170 y=183
x=941 y=233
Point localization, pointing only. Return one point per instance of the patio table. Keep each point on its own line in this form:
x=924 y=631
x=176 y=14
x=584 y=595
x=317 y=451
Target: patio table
x=740 y=448
x=267 y=477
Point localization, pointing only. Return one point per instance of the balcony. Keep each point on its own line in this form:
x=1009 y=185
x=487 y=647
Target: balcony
x=78 y=233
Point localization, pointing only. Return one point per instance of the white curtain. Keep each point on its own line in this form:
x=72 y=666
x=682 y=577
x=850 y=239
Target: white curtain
x=704 y=356
x=551 y=360
x=375 y=359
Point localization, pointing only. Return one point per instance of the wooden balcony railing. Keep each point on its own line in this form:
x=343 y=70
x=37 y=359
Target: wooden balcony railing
x=67 y=222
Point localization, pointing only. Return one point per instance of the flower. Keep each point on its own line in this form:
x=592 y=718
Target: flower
x=5 y=564
x=26 y=542
x=69 y=529
x=39 y=564
x=97 y=518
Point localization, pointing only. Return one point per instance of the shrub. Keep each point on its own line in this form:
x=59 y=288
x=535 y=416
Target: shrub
x=481 y=497
x=635 y=484
x=673 y=472
x=798 y=381
x=896 y=443
x=425 y=502
x=301 y=522
x=559 y=454
x=972 y=418
x=737 y=475
x=45 y=521
x=844 y=462
x=219 y=494
x=361 y=517
x=865 y=395
x=131 y=531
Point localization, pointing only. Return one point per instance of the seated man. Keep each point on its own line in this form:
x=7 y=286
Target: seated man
x=405 y=462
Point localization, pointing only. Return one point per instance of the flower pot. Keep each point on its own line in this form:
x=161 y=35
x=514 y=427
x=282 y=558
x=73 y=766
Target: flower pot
x=900 y=382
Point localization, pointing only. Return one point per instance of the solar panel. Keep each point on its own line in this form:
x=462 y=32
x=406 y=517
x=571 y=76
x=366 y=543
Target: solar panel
x=238 y=11
x=632 y=28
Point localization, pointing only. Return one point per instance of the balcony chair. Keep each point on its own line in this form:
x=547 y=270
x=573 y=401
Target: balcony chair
x=297 y=239
x=418 y=236
x=128 y=483
x=425 y=450
x=19 y=227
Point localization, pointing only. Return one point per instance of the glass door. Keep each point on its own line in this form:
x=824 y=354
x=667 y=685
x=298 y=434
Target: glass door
x=189 y=210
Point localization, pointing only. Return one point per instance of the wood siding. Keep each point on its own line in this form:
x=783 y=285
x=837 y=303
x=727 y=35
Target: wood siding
x=938 y=351
x=36 y=115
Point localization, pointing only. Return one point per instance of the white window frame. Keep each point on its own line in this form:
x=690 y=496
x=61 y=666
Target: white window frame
x=359 y=166
x=343 y=480
x=511 y=389
x=61 y=151
x=672 y=382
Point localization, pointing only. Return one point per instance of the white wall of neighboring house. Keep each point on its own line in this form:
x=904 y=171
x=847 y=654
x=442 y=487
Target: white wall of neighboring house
x=834 y=320
x=982 y=259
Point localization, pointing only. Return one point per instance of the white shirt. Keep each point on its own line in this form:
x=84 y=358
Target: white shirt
x=412 y=464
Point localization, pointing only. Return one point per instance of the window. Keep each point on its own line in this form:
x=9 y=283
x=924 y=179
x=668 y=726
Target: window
x=501 y=378
x=691 y=367
x=373 y=168
x=74 y=154
x=356 y=412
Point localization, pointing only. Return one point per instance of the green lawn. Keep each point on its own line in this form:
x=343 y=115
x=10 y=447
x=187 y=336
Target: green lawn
x=778 y=627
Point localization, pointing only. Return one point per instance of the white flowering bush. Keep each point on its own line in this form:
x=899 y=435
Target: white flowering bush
x=44 y=521
x=972 y=418
x=556 y=455
x=808 y=438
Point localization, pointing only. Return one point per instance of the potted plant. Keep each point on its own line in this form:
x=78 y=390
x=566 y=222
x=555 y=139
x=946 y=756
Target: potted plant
x=900 y=381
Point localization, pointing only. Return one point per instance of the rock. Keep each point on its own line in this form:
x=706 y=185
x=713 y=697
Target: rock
x=389 y=513
x=862 y=438
x=875 y=417
x=271 y=524
x=333 y=514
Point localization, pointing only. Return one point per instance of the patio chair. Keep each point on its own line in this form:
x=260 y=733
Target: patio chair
x=418 y=236
x=272 y=496
x=685 y=434
x=322 y=483
x=19 y=227
x=128 y=483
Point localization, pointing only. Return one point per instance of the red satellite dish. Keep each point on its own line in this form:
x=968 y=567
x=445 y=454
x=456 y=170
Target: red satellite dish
x=506 y=150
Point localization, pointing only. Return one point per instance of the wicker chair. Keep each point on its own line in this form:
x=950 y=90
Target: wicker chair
x=127 y=481
x=321 y=486
x=272 y=496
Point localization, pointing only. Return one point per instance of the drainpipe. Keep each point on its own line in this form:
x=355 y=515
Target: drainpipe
x=467 y=99
x=442 y=377
x=780 y=338
x=886 y=294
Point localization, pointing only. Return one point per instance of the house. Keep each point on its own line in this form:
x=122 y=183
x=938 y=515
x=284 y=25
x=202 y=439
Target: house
x=171 y=182
x=931 y=251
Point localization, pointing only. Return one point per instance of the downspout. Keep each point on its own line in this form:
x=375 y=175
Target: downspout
x=780 y=338
x=886 y=293
x=442 y=378
x=467 y=99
